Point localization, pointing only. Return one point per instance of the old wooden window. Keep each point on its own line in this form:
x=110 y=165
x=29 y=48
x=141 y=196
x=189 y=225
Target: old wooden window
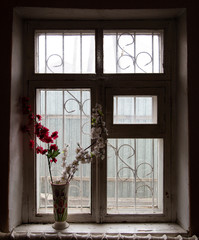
x=126 y=67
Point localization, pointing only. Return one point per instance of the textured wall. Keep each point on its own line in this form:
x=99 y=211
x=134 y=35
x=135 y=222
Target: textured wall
x=16 y=137
x=6 y=107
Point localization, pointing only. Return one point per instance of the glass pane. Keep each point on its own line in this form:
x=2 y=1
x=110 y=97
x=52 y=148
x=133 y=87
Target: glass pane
x=68 y=112
x=65 y=52
x=133 y=51
x=135 y=109
x=135 y=176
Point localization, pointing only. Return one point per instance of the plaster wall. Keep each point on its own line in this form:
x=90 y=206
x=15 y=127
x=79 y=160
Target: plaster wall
x=181 y=146
x=15 y=173
x=16 y=137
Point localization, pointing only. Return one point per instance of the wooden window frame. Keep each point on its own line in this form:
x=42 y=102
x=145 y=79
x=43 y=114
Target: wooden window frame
x=103 y=87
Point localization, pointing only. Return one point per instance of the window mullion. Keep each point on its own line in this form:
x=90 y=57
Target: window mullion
x=99 y=50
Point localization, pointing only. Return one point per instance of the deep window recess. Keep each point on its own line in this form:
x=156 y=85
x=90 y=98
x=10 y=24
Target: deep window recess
x=126 y=67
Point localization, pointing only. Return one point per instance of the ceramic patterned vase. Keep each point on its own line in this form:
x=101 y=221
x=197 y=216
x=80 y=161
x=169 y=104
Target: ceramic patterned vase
x=60 y=205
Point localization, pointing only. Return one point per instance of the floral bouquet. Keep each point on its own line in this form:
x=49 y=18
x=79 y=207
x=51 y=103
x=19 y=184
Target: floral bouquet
x=35 y=129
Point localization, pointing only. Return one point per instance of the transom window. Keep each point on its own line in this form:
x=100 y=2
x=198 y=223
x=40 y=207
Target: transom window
x=133 y=51
x=126 y=51
x=126 y=67
x=65 y=52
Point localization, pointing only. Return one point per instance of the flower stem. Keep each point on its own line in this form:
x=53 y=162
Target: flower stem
x=50 y=170
x=90 y=145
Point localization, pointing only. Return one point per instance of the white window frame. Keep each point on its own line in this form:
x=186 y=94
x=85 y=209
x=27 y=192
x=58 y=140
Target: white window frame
x=103 y=87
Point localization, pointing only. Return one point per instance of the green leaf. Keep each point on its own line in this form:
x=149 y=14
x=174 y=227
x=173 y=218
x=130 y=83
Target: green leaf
x=55 y=154
x=49 y=154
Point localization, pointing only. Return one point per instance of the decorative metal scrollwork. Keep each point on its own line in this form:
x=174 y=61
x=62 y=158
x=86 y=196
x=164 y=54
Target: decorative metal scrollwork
x=148 y=59
x=54 y=58
x=140 y=60
x=81 y=109
x=132 y=167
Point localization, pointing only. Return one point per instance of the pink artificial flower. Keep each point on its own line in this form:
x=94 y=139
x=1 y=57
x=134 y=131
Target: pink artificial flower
x=53 y=147
x=44 y=151
x=44 y=130
x=38 y=127
x=39 y=149
x=26 y=108
x=54 y=135
x=43 y=133
x=53 y=160
x=47 y=139
x=31 y=144
x=38 y=117
x=31 y=116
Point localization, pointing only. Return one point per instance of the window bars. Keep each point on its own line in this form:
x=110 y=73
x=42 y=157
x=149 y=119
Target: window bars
x=135 y=177
x=71 y=51
x=67 y=111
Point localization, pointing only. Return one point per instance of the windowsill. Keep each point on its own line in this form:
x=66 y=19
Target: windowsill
x=160 y=229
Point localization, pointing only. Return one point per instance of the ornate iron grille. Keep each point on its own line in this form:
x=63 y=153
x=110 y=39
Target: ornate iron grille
x=133 y=51
x=65 y=52
x=135 y=177
x=67 y=111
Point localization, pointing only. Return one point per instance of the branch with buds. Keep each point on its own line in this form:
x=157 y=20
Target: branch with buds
x=98 y=136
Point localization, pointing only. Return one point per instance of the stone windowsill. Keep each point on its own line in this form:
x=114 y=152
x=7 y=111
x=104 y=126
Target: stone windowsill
x=170 y=229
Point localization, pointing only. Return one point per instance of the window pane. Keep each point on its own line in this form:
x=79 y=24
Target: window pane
x=65 y=52
x=68 y=112
x=135 y=176
x=133 y=51
x=135 y=109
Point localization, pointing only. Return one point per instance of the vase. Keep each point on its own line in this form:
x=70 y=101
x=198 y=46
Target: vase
x=60 y=205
